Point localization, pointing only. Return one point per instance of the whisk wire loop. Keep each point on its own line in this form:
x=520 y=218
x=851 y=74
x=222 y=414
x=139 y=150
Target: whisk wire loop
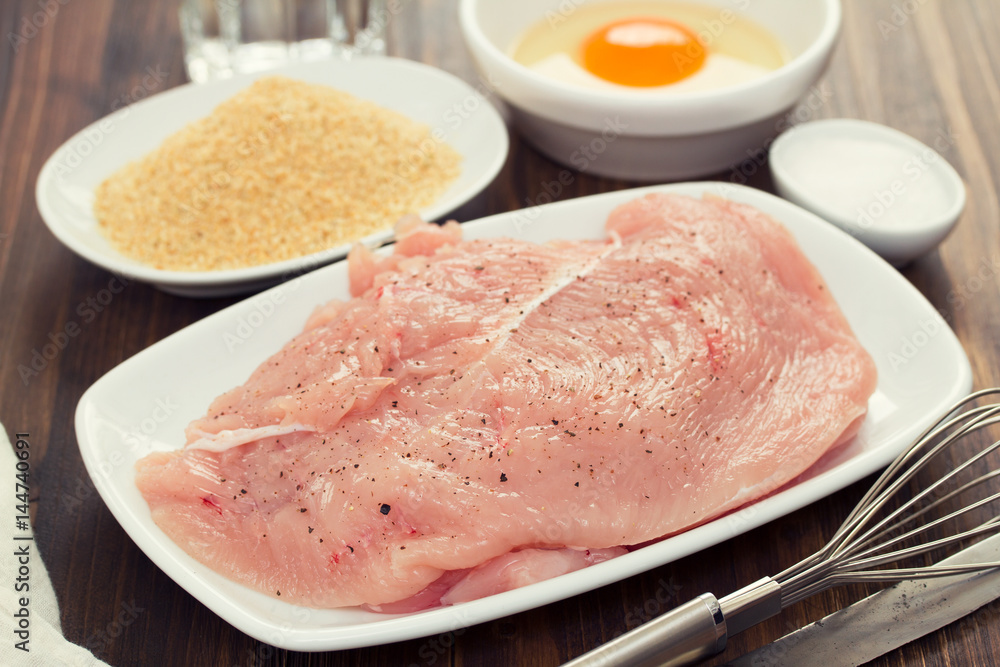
x=923 y=528
x=873 y=536
x=896 y=476
x=932 y=432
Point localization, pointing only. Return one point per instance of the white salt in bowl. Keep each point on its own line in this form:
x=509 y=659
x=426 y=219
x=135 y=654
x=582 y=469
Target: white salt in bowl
x=897 y=195
x=651 y=138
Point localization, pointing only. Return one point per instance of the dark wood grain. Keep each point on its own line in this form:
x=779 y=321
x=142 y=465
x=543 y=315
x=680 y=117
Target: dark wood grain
x=935 y=75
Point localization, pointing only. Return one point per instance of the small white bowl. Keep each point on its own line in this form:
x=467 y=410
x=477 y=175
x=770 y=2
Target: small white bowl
x=893 y=193
x=642 y=137
x=66 y=184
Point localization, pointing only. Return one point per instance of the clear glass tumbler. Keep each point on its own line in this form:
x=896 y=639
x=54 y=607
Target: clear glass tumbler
x=224 y=37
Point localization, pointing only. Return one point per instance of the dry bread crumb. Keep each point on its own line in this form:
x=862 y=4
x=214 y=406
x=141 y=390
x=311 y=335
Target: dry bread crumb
x=280 y=170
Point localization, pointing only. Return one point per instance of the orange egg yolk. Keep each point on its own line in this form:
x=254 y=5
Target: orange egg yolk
x=643 y=52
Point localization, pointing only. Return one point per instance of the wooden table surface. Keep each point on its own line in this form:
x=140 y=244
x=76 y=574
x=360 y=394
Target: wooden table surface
x=929 y=68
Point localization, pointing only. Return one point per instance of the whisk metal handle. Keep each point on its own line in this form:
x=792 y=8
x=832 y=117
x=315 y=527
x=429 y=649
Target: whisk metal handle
x=691 y=632
x=681 y=636
x=751 y=604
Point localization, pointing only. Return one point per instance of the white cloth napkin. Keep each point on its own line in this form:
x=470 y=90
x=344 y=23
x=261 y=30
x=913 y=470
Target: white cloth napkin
x=44 y=640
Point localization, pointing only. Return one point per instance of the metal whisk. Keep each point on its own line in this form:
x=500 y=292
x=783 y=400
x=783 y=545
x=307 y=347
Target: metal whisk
x=875 y=534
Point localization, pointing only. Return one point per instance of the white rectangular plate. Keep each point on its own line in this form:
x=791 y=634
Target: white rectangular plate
x=144 y=404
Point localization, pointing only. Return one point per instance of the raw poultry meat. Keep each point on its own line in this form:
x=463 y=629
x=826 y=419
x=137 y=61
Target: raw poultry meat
x=488 y=413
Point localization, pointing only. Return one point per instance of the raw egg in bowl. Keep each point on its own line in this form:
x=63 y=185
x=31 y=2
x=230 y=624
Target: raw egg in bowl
x=648 y=47
x=650 y=89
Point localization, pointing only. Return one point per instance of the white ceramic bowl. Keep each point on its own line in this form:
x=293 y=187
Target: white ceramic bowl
x=67 y=181
x=901 y=208
x=637 y=136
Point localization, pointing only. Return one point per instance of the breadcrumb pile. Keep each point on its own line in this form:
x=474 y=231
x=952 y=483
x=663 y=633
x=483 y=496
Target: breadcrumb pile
x=281 y=170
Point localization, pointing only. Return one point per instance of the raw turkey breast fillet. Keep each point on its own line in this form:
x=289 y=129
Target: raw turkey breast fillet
x=488 y=413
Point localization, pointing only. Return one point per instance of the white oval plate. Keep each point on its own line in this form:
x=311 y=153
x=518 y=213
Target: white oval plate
x=67 y=181
x=144 y=404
